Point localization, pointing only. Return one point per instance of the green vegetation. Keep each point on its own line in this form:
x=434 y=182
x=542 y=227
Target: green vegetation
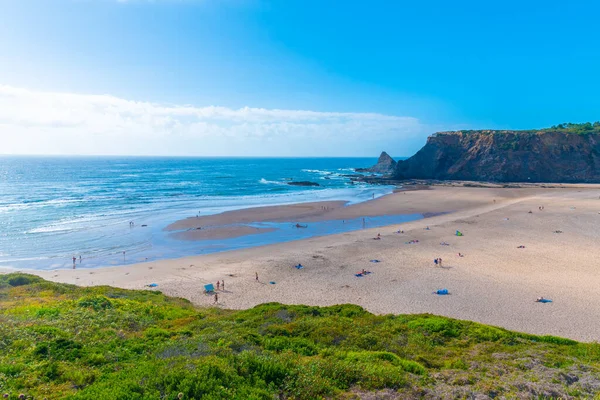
x=580 y=129
x=61 y=341
x=567 y=127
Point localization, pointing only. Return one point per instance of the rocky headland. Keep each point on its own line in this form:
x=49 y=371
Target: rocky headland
x=567 y=153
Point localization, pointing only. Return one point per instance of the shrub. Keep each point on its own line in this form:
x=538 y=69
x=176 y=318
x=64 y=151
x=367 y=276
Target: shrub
x=22 y=279
x=432 y=324
x=97 y=303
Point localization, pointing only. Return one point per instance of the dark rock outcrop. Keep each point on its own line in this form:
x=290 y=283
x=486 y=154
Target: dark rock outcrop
x=385 y=165
x=506 y=156
x=303 y=183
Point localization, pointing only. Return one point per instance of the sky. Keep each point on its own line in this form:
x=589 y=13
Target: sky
x=287 y=77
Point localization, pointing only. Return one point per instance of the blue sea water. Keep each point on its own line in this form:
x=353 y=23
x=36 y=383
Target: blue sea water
x=52 y=208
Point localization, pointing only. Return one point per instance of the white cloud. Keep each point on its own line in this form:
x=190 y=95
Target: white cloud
x=33 y=122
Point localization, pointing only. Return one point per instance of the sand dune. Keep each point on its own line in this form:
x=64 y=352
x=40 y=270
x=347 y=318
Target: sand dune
x=495 y=282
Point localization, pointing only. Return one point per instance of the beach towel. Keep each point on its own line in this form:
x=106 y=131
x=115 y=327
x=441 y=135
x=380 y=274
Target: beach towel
x=153 y=285
x=441 y=291
x=375 y=261
x=359 y=275
x=209 y=288
x=545 y=301
x=272 y=282
x=299 y=266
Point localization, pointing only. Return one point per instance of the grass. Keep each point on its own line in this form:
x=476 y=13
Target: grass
x=61 y=341
x=585 y=128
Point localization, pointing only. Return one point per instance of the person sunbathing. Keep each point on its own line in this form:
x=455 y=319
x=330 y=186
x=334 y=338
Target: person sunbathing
x=543 y=300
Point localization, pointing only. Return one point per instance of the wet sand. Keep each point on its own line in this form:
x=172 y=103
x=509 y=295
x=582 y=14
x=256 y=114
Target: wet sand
x=284 y=213
x=220 y=232
x=495 y=282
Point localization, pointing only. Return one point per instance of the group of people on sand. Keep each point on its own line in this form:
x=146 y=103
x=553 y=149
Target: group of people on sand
x=438 y=262
x=363 y=272
x=220 y=286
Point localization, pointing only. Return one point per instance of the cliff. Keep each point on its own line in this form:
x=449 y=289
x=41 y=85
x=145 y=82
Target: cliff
x=385 y=165
x=548 y=155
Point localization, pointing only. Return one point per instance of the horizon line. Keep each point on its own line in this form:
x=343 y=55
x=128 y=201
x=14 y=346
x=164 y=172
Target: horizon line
x=174 y=156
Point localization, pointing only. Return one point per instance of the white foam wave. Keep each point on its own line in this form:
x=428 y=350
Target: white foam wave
x=266 y=182
x=39 y=204
x=317 y=171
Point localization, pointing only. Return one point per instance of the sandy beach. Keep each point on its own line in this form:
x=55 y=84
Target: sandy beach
x=495 y=282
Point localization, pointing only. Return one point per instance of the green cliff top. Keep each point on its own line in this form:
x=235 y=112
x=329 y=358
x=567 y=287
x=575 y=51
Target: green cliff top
x=567 y=128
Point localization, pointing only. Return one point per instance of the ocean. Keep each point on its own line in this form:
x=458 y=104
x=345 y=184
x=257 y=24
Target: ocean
x=54 y=208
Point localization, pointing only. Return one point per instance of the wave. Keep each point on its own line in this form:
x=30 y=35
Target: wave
x=29 y=204
x=317 y=171
x=266 y=182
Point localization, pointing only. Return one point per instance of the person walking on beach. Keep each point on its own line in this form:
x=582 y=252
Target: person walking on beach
x=80 y=259
x=216 y=298
x=74 y=261
x=256 y=273
x=440 y=262
x=218 y=285
x=223 y=285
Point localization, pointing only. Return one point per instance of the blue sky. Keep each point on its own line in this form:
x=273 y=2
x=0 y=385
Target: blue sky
x=234 y=77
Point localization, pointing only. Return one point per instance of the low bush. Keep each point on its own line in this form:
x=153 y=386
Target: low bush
x=60 y=341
